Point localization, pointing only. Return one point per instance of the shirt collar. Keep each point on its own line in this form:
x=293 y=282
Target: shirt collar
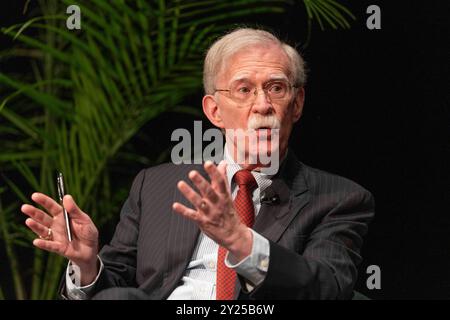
x=263 y=180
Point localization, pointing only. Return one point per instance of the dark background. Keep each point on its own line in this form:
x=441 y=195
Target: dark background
x=377 y=111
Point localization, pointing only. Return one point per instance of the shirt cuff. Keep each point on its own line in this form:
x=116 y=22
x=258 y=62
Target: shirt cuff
x=252 y=268
x=73 y=288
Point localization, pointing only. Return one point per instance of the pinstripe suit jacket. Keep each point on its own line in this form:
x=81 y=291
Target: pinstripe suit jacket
x=315 y=232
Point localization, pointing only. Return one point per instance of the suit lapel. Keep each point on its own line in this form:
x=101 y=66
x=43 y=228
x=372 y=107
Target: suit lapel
x=290 y=186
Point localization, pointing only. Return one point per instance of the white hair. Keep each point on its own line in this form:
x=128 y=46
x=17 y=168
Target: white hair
x=241 y=38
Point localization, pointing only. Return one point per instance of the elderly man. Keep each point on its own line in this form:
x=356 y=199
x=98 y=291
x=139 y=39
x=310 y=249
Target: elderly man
x=233 y=230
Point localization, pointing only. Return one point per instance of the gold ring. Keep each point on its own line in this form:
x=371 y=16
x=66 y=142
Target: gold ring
x=49 y=235
x=203 y=205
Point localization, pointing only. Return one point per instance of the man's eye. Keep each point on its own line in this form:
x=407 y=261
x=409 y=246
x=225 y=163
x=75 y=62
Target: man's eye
x=277 y=88
x=243 y=90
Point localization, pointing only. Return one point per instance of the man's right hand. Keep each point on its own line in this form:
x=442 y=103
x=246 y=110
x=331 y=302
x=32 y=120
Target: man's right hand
x=83 y=248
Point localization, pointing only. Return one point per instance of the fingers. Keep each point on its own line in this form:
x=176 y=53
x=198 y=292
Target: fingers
x=210 y=194
x=48 y=203
x=218 y=181
x=38 y=228
x=217 y=175
x=186 y=212
x=53 y=207
x=189 y=193
x=222 y=168
x=203 y=186
x=72 y=208
x=51 y=246
x=37 y=215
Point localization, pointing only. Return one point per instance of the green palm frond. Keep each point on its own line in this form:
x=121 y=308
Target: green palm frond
x=111 y=78
x=334 y=13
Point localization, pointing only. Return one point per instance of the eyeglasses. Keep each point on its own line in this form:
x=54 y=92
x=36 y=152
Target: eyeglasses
x=245 y=93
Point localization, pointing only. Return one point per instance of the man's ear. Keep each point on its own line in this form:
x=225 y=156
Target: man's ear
x=298 y=104
x=211 y=110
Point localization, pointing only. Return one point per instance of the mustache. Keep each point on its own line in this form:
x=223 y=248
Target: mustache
x=258 y=121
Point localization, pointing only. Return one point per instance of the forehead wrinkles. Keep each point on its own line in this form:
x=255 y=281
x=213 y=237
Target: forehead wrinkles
x=244 y=76
x=255 y=61
x=251 y=71
x=252 y=66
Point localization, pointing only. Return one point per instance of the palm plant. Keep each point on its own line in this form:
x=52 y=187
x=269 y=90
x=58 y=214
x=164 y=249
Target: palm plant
x=90 y=93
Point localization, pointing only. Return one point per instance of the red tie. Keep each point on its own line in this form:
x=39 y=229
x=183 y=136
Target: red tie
x=243 y=204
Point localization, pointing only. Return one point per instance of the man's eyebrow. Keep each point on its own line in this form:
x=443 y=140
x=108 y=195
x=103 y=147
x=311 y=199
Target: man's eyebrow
x=279 y=76
x=246 y=77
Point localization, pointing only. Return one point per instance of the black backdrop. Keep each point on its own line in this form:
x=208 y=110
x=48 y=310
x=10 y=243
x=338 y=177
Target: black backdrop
x=377 y=111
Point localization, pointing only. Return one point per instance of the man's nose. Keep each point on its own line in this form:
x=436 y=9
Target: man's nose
x=262 y=103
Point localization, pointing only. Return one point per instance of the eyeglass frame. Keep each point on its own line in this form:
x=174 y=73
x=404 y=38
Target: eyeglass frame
x=255 y=93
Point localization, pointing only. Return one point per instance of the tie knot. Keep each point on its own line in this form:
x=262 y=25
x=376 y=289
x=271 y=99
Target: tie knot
x=245 y=178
